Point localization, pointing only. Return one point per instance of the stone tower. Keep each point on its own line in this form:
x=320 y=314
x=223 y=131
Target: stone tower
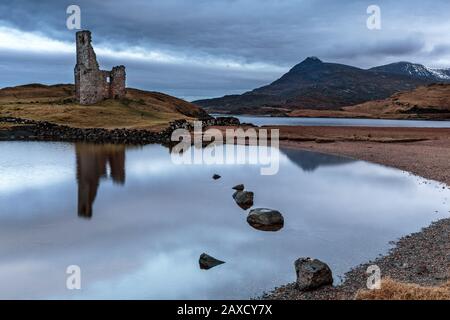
x=93 y=85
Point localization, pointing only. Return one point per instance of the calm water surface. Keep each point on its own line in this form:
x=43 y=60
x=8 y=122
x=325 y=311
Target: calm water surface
x=136 y=223
x=298 y=121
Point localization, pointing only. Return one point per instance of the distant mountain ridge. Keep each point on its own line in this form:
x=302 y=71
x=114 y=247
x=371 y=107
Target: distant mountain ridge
x=443 y=74
x=313 y=84
x=414 y=70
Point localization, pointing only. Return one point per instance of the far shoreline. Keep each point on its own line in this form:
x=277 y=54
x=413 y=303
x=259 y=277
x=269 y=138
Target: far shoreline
x=330 y=114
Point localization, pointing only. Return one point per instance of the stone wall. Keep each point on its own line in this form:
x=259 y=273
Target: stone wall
x=93 y=85
x=117 y=84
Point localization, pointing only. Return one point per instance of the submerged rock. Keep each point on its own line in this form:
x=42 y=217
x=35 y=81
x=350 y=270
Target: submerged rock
x=244 y=199
x=265 y=219
x=207 y=262
x=239 y=187
x=312 y=274
x=216 y=176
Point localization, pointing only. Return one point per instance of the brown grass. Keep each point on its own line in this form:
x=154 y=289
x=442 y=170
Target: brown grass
x=393 y=290
x=425 y=102
x=433 y=98
x=8 y=125
x=139 y=109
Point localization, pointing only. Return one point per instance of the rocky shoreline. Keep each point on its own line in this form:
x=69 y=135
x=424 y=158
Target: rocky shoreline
x=31 y=130
x=421 y=258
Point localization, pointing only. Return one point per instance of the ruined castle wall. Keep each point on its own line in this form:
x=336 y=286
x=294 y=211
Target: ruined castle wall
x=85 y=53
x=93 y=85
x=89 y=84
x=117 y=85
x=104 y=86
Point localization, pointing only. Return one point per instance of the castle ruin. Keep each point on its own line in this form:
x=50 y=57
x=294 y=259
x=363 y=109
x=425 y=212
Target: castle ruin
x=93 y=85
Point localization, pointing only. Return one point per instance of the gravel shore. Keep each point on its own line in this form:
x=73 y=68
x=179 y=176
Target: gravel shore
x=421 y=258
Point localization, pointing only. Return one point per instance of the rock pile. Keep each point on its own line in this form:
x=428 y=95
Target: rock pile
x=47 y=131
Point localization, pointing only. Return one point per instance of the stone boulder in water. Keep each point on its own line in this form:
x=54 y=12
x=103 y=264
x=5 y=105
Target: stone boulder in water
x=312 y=274
x=265 y=219
x=207 y=262
x=244 y=199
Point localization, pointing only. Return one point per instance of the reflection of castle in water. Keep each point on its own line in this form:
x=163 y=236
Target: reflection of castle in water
x=92 y=162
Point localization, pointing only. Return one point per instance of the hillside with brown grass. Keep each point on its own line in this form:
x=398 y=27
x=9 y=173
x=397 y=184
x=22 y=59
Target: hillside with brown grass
x=430 y=102
x=138 y=110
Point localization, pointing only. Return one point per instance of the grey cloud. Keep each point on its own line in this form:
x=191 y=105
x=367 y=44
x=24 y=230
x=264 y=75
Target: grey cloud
x=280 y=33
x=184 y=81
x=441 y=49
x=381 y=49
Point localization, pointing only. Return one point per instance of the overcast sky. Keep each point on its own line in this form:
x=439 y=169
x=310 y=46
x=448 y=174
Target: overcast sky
x=206 y=48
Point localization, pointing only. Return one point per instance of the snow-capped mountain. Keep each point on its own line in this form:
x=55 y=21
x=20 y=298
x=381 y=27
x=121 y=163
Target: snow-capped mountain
x=443 y=74
x=415 y=70
x=314 y=84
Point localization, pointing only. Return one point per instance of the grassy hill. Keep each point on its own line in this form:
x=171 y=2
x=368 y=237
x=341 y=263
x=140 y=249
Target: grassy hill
x=56 y=103
x=429 y=102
